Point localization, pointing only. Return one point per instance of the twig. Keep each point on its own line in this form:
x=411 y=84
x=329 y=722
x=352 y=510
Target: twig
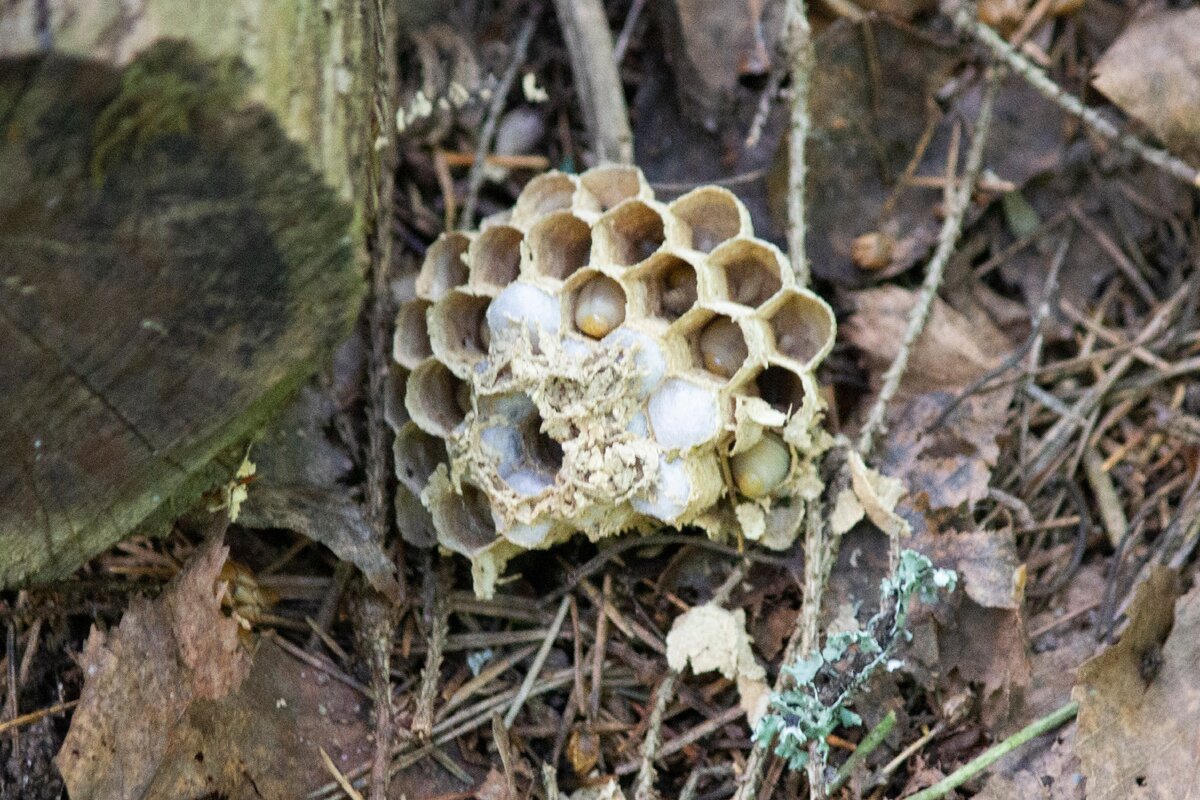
x=1031 y=342
x=959 y=199
x=596 y=563
x=994 y=753
x=644 y=785
x=492 y=671
x=341 y=779
x=965 y=21
x=1046 y=455
x=597 y=84
x=316 y=662
x=800 y=51
x=34 y=716
x=488 y=132
x=538 y=661
x=422 y=723
x=504 y=748
x=673 y=746
x=375 y=626
x=908 y=752
x=700 y=773
x=635 y=12
x=864 y=749
x=598 y=650
x=818 y=552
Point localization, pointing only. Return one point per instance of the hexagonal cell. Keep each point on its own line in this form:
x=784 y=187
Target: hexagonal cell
x=668 y=497
x=444 y=266
x=413 y=520
x=781 y=387
x=628 y=234
x=714 y=342
x=410 y=342
x=802 y=324
x=548 y=192
x=648 y=355
x=682 y=486
x=437 y=399
x=559 y=245
x=683 y=414
x=395 y=384
x=464 y=521
x=594 y=304
x=524 y=305
x=612 y=184
x=526 y=459
x=714 y=215
x=721 y=346
x=417 y=455
x=664 y=287
x=458 y=332
x=495 y=257
x=746 y=271
x=758 y=470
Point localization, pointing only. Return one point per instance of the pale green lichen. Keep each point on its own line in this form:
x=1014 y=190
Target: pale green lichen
x=825 y=682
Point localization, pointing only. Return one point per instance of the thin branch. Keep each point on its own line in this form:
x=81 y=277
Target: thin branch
x=997 y=752
x=538 y=661
x=947 y=239
x=800 y=50
x=644 y=785
x=597 y=83
x=965 y=21
x=495 y=110
x=864 y=749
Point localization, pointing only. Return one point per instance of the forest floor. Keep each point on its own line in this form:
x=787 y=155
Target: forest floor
x=1046 y=434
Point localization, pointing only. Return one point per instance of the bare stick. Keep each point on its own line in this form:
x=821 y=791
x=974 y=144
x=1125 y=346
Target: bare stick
x=1037 y=78
x=488 y=132
x=947 y=239
x=422 y=722
x=644 y=785
x=347 y=787
x=34 y=716
x=800 y=51
x=996 y=752
x=597 y=84
x=538 y=661
x=864 y=749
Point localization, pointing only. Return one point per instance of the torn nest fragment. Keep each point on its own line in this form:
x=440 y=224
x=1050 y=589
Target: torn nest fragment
x=597 y=361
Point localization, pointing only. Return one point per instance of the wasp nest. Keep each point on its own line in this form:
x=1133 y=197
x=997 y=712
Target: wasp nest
x=600 y=362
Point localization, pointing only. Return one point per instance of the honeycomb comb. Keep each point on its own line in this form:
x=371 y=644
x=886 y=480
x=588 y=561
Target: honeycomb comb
x=603 y=362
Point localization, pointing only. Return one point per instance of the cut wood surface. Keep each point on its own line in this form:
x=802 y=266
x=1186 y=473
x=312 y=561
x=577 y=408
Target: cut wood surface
x=171 y=268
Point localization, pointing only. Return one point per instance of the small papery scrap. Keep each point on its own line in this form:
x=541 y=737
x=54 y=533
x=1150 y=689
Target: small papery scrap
x=872 y=495
x=609 y=790
x=711 y=638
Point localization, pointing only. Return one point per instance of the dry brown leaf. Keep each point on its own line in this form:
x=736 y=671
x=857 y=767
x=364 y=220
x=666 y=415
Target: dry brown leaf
x=173 y=707
x=494 y=786
x=140 y=679
x=986 y=563
x=951 y=352
x=1041 y=773
x=1139 y=700
x=1153 y=73
x=950 y=463
x=988 y=647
